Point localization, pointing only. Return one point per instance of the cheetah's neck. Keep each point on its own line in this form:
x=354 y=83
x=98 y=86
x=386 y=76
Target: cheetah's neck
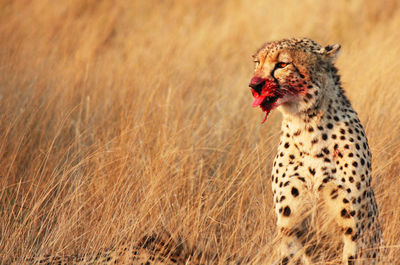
x=317 y=128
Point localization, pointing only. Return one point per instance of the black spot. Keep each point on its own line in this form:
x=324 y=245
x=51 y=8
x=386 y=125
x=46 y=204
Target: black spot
x=351 y=261
x=295 y=192
x=311 y=129
x=312 y=171
x=286 y=145
x=285 y=261
x=299 y=233
x=310 y=251
x=355 y=164
x=286 y=184
x=362 y=161
x=334 y=194
x=357 y=146
x=324 y=136
x=344 y=213
x=334 y=136
x=349 y=231
x=329 y=125
x=286 y=211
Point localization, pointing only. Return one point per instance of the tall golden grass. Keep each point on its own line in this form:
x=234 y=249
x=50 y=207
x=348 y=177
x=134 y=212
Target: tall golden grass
x=124 y=118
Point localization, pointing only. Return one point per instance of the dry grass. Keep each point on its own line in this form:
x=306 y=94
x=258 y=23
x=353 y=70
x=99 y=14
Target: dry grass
x=119 y=119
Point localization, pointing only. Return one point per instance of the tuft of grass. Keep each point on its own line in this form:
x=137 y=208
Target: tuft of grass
x=120 y=119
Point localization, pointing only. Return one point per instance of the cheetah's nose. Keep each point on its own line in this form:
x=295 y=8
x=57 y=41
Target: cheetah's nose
x=257 y=84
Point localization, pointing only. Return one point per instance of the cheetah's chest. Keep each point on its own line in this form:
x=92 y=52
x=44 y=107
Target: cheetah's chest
x=311 y=155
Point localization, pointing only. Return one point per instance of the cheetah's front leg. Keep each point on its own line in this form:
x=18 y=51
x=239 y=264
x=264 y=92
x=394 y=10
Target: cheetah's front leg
x=292 y=207
x=343 y=211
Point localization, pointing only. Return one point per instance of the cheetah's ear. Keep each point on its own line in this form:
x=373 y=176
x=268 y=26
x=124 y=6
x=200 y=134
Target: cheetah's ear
x=331 y=51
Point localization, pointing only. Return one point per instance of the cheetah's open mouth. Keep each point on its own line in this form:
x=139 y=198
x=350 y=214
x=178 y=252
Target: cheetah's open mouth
x=267 y=103
x=266 y=94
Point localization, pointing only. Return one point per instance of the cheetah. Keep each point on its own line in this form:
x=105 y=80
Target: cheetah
x=157 y=249
x=323 y=162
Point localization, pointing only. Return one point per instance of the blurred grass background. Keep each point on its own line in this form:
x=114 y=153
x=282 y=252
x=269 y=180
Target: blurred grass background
x=123 y=118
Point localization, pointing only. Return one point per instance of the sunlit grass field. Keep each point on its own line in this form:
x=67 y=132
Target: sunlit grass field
x=120 y=119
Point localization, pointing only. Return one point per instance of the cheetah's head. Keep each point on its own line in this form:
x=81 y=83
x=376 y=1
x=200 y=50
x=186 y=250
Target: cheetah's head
x=289 y=72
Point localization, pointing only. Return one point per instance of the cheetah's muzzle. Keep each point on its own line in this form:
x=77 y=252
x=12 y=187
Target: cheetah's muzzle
x=265 y=93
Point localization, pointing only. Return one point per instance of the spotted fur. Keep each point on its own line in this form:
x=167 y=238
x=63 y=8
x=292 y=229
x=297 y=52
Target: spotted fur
x=323 y=162
x=151 y=250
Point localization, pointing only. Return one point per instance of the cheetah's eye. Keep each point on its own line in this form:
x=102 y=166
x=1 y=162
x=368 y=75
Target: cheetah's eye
x=281 y=65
